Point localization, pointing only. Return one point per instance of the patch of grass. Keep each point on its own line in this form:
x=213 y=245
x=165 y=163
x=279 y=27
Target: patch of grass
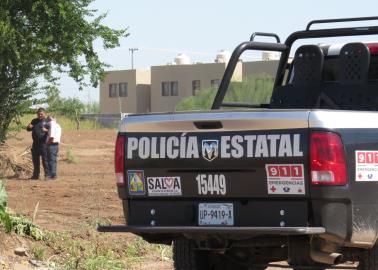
x=20 y=225
x=69 y=125
x=66 y=123
x=38 y=252
x=95 y=222
x=99 y=251
x=88 y=250
x=85 y=254
x=139 y=250
x=24 y=227
x=70 y=156
x=12 y=222
x=136 y=251
x=6 y=221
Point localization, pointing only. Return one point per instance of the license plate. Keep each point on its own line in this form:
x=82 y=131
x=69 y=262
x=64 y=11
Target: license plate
x=216 y=214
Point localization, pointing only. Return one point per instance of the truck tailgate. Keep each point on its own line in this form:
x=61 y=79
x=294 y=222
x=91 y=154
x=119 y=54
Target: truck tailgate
x=247 y=155
x=217 y=169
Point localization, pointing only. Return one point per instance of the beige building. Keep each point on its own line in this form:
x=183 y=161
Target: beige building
x=163 y=87
x=171 y=83
x=260 y=67
x=126 y=91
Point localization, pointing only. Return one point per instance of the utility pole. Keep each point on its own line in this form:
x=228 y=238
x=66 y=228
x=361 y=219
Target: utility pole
x=132 y=50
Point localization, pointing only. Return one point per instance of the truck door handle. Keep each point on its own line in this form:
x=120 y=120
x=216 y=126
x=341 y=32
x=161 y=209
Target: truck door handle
x=208 y=125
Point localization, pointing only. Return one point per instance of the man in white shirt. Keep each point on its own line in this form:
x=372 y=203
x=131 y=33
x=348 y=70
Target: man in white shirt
x=53 y=140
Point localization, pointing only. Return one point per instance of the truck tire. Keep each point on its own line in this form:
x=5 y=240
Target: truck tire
x=187 y=257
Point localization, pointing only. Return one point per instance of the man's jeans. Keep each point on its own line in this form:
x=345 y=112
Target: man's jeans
x=38 y=151
x=53 y=150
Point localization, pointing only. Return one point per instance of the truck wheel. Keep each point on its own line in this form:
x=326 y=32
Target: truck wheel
x=187 y=257
x=369 y=259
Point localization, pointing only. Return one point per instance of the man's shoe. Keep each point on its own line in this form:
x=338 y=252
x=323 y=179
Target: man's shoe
x=34 y=178
x=51 y=178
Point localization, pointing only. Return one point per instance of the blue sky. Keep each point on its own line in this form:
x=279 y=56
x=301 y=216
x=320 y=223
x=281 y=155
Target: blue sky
x=162 y=29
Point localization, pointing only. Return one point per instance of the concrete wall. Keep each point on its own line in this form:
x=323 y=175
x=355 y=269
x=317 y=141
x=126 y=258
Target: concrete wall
x=184 y=75
x=118 y=104
x=130 y=103
x=143 y=76
x=143 y=98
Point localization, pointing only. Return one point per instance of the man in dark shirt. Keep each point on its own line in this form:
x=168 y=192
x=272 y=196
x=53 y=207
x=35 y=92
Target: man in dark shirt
x=39 y=147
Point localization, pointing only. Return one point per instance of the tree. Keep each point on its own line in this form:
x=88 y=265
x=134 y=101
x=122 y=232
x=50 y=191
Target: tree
x=53 y=99
x=38 y=37
x=73 y=108
x=92 y=107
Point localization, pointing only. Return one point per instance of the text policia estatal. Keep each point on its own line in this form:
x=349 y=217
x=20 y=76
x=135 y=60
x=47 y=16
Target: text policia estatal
x=238 y=146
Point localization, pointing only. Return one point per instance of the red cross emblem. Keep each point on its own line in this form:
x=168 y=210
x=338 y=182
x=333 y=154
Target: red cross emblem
x=273 y=189
x=360 y=176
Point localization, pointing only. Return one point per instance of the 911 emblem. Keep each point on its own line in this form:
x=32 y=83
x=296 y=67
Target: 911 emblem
x=210 y=149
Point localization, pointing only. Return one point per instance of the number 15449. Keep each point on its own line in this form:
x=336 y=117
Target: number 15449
x=213 y=184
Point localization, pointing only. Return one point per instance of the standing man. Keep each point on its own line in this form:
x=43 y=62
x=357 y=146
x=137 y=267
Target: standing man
x=39 y=149
x=53 y=140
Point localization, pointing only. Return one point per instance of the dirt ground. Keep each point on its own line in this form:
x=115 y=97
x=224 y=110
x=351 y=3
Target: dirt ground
x=85 y=191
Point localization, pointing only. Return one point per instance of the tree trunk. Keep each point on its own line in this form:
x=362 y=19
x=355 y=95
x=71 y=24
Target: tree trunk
x=77 y=119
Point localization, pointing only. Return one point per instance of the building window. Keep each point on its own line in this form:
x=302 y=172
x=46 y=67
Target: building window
x=214 y=83
x=123 y=89
x=113 y=89
x=196 y=86
x=169 y=89
x=174 y=88
x=165 y=89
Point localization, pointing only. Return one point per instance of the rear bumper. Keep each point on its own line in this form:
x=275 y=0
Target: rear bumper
x=212 y=230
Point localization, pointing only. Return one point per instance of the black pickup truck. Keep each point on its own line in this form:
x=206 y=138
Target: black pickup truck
x=295 y=179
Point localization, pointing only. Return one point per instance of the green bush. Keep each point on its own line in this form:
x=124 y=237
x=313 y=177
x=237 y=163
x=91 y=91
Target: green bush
x=18 y=224
x=254 y=90
x=202 y=101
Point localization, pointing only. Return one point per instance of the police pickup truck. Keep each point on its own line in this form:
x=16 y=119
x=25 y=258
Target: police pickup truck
x=295 y=179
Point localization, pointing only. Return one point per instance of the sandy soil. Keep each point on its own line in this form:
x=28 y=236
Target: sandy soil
x=84 y=192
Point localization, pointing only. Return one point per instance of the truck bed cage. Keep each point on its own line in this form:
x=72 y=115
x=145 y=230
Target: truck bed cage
x=357 y=19
x=263 y=34
x=285 y=49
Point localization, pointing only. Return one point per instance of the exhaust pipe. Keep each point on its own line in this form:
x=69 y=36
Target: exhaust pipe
x=327 y=258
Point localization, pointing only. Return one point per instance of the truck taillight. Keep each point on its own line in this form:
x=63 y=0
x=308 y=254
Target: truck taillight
x=119 y=161
x=373 y=48
x=327 y=159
